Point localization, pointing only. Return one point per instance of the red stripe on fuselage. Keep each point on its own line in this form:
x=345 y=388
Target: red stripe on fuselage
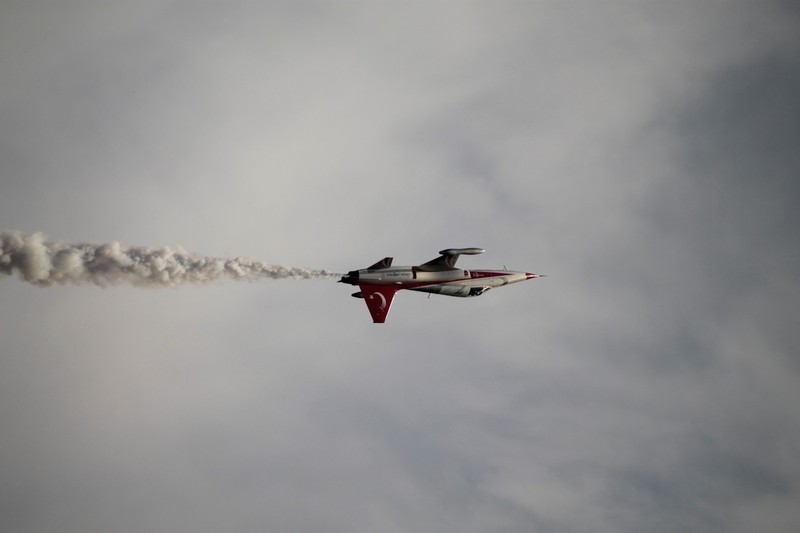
x=479 y=274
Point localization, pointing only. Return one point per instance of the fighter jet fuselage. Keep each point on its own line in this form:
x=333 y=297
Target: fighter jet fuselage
x=380 y=282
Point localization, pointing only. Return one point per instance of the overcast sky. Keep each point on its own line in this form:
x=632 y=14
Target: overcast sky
x=644 y=155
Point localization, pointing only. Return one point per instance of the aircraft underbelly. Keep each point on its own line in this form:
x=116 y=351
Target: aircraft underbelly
x=462 y=288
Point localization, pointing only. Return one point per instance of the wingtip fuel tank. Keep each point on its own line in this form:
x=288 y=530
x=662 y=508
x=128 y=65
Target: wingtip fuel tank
x=462 y=251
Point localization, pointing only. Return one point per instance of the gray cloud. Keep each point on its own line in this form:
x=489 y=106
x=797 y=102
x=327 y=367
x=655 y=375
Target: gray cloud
x=643 y=156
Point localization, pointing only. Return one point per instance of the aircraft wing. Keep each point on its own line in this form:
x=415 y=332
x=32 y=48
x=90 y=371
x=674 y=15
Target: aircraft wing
x=447 y=259
x=379 y=300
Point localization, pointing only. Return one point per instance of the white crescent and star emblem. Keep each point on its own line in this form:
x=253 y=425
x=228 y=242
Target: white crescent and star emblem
x=381 y=296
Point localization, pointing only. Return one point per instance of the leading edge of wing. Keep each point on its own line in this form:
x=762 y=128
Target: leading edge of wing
x=379 y=300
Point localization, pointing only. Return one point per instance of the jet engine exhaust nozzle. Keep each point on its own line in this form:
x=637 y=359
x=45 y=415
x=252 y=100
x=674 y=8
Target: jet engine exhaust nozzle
x=351 y=278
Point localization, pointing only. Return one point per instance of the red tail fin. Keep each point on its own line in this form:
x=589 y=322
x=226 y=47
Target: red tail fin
x=379 y=300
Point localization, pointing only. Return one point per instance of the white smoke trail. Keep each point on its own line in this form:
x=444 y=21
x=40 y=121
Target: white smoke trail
x=48 y=263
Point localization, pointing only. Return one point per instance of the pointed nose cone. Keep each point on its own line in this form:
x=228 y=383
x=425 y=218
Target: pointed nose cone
x=528 y=275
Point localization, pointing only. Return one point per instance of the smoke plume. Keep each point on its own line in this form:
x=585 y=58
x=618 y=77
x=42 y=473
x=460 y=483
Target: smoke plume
x=46 y=263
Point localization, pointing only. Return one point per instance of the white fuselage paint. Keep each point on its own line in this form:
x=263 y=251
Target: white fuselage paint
x=381 y=281
x=457 y=282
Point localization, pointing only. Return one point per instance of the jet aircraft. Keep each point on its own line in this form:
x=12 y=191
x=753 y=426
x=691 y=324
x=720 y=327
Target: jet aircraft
x=381 y=281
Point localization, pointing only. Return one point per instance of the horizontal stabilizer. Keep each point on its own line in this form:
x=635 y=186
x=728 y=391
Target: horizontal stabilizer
x=386 y=262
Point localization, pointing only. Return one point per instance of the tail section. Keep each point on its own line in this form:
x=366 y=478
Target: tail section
x=379 y=300
x=386 y=262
